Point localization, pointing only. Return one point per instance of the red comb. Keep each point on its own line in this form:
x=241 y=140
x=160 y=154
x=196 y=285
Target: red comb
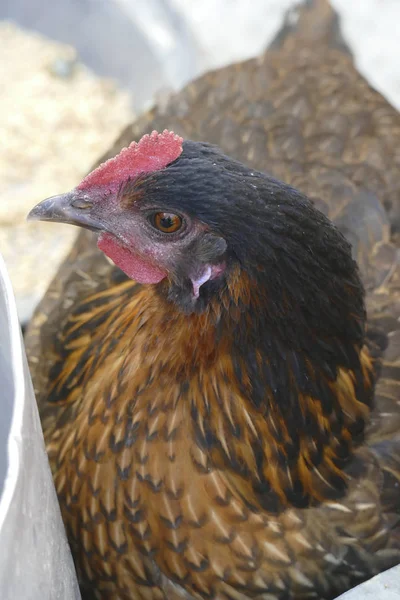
x=152 y=153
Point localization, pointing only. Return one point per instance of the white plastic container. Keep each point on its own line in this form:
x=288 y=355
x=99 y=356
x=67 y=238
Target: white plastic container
x=385 y=586
x=35 y=560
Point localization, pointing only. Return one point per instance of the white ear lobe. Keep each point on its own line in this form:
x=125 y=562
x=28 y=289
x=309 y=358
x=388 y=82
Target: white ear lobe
x=199 y=281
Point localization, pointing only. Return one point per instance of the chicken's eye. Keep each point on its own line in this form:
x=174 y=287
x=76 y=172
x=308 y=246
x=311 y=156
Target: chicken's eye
x=166 y=222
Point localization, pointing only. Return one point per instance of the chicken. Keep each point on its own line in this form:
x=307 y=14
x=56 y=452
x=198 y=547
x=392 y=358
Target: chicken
x=222 y=421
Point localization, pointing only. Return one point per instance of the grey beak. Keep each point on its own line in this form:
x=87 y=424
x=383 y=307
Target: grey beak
x=72 y=208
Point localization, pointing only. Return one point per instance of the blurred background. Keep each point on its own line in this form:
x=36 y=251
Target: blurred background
x=73 y=73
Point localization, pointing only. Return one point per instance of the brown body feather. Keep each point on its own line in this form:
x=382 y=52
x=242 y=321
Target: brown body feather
x=160 y=462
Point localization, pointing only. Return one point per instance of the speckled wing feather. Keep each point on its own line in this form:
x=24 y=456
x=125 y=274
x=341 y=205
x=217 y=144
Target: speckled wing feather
x=302 y=113
x=84 y=272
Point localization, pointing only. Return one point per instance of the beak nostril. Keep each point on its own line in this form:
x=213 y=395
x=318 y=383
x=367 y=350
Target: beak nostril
x=81 y=203
x=67 y=208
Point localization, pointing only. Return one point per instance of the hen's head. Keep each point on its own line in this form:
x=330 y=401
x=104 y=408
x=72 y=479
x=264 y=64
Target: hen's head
x=183 y=212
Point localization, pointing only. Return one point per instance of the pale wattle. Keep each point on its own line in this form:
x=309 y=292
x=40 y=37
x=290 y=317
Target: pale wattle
x=135 y=266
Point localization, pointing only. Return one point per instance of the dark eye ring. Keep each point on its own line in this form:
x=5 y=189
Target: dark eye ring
x=166 y=222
